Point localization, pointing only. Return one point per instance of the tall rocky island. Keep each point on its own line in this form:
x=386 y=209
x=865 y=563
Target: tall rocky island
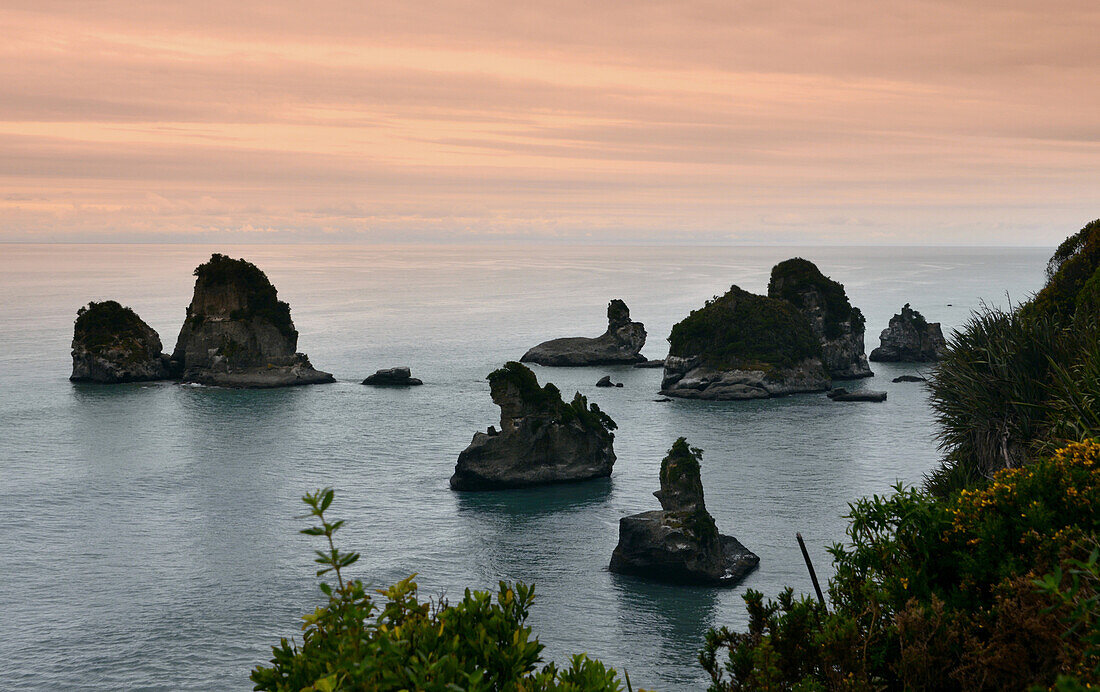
x=541 y=439
x=680 y=542
x=836 y=324
x=238 y=333
x=112 y=344
x=910 y=338
x=621 y=343
x=743 y=346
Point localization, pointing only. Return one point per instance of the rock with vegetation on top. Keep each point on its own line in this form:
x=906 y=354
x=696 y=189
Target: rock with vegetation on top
x=238 y=333
x=393 y=377
x=680 y=542
x=541 y=440
x=838 y=325
x=621 y=343
x=112 y=344
x=911 y=339
x=743 y=346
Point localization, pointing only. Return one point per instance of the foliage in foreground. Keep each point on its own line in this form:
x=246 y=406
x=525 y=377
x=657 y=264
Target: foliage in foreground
x=942 y=594
x=359 y=642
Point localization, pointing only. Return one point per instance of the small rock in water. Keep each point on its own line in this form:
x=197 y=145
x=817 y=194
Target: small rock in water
x=605 y=381
x=841 y=394
x=399 y=377
x=650 y=364
x=662 y=400
x=909 y=378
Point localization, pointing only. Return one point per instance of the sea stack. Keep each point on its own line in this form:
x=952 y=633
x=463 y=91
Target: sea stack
x=238 y=333
x=911 y=339
x=541 y=440
x=620 y=344
x=680 y=543
x=111 y=344
x=836 y=324
x=743 y=346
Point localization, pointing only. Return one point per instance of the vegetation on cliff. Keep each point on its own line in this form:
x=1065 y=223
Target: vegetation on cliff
x=791 y=278
x=741 y=330
x=393 y=640
x=259 y=297
x=104 y=325
x=548 y=400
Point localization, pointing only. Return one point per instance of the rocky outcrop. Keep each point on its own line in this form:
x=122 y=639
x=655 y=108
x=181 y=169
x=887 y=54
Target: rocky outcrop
x=541 y=440
x=650 y=364
x=910 y=338
x=238 y=333
x=743 y=346
x=621 y=343
x=909 y=378
x=605 y=381
x=112 y=344
x=837 y=325
x=840 y=394
x=393 y=377
x=680 y=543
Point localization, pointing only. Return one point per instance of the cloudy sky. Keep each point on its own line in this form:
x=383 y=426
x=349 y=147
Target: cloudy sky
x=728 y=121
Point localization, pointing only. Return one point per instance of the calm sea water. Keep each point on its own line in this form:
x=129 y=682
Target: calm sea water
x=148 y=537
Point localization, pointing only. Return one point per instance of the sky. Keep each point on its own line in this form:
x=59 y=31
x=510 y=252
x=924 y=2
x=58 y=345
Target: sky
x=732 y=121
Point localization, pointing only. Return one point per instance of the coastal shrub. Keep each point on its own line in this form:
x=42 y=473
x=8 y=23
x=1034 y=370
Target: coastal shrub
x=261 y=300
x=743 y=330
x=1072 y=275
x=393 y=640
x=940 y=593
x=108 y=324
x=548 y=398
x=790 y=278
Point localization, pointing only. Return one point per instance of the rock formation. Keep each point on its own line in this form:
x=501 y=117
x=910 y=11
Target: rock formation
x=837 y=325
x=621 y=343
x=909 y=378
x=650 y=364
x=605 y=381
x=841 y=394
x=238 y=333
x=743 y=346
x=680 y=542
x=112 y=344
x=910 y=338
x=393 y=377
x=541 y=440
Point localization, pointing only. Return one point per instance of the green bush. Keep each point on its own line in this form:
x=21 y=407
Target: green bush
x=547 y=399
x=359 y=642
x=743 y=330
x=261 y=300
x=790 y=278
x=105 y=325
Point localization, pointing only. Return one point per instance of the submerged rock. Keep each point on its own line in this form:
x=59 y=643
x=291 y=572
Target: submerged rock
x=605 y=381
x=909 y=378
x=542 y=439
x=621 y=343
x=840 y=394
x=835 y=322
x=238 y=333
x=393 y=377
x=910 y=338
x=743 y=346
x=112 y=344
x=680 y=543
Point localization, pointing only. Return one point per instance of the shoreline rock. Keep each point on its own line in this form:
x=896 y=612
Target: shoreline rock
x=393 y=377
x=238 y=333
x=835 y=322
x=680 y=542
x=112 y=345
x=542 y=439
x=910 y=338
x=620 y=344
x=743 y=346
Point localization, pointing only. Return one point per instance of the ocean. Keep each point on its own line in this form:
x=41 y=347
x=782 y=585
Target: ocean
x=148 y=532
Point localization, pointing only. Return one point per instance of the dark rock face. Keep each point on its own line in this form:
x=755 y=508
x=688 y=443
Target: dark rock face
x=650 y=364
x=112 y=344
x=910 y=338
x=605 y=381
x=542 y=439
x=840 y=394
x=393 y=377
x=838 y=325
x=743 y=346
x=680 y=543
x=238 y=333
x=621 y=343
x=909 y=378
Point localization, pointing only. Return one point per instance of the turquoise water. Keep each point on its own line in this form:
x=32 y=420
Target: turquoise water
x=148 y=537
